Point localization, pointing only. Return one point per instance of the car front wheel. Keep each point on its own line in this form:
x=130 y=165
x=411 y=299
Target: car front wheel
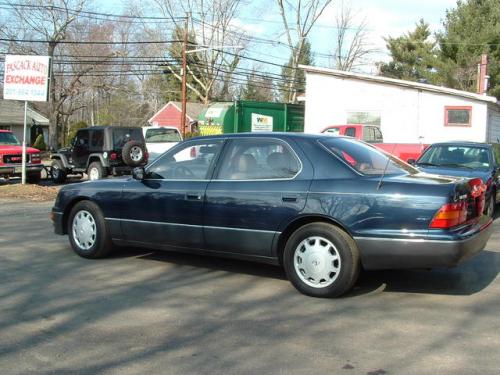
x=321 y=260
x=88 y=232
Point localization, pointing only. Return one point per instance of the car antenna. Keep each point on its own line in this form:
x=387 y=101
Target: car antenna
x=385 y=168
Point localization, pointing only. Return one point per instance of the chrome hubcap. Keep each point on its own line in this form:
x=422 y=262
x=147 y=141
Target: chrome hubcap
x=317 y=262
x=136 y=153
x=84 y=230
x=93 y=174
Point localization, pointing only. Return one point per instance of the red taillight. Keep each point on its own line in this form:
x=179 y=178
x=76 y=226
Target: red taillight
x=450 y=215
x=478 y=189
x=113 y=156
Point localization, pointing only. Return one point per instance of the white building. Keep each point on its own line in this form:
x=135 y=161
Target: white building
x=407 y=112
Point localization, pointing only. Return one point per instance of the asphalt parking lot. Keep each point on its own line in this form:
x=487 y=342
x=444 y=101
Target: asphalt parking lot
x=148 y=312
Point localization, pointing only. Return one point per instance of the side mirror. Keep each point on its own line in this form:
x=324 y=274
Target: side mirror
x=412 y=161
x=138 y=173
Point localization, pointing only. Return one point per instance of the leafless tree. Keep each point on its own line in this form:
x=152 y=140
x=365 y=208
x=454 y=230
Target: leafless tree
x=210 y=32
x=48 y=22
x=304 y=13
x=351 y=42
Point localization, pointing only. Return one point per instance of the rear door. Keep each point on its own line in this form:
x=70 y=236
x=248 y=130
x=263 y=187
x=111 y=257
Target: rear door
x=259 y=183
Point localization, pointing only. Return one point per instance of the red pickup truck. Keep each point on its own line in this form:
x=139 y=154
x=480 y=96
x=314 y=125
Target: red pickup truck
x=11 y=157
x=372 y=134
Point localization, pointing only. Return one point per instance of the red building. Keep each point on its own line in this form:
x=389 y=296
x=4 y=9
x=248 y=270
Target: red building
x=170 y=115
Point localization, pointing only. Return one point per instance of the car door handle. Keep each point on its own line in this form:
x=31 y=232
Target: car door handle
x=289 y=198
x=193 y=196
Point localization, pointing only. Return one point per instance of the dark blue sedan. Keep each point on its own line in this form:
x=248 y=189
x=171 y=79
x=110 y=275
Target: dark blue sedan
x=466 y=159
x=320 y=206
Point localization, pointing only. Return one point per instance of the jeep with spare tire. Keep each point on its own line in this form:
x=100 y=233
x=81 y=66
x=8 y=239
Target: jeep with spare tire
x=99 y=151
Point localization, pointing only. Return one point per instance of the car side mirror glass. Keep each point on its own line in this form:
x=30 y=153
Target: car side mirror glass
x=138 y=173
x=412 y=161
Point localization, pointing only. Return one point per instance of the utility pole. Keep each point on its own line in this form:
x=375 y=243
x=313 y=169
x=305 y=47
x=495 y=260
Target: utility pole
x=184 y=76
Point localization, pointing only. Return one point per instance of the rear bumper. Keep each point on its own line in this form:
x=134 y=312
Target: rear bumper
x=390 y=253
x=16 y=169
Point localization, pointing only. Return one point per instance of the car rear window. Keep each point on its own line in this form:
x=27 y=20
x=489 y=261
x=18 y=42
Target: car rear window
x=159 y=135
x=364 y=158
x=122 y=136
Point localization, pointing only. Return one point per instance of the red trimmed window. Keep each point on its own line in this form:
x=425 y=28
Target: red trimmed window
x=457 y=115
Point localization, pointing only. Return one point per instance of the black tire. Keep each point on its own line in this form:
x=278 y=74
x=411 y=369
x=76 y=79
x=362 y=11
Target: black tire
x=96 y=169
x=344 y=247
x=134 y=153
x=34 y=178
x=58 y=171
x=99 y=244
x=491 y=204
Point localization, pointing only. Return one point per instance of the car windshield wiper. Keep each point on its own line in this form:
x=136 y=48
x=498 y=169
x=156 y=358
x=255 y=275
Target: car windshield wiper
x=427 y=164
x=455 y=165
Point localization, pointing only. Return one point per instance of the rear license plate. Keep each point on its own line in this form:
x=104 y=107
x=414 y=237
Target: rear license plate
x=18 y=169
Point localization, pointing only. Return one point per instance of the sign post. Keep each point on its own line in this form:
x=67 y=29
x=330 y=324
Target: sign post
x=26 y=79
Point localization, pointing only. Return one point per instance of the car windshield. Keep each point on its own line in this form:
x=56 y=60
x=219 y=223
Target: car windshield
x=8 y=139
x=455 y=156
x=122 y=136
x=158 y=135
x=366 y=159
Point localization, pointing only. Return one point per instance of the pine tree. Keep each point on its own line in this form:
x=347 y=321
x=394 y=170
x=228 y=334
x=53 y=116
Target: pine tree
x=288 y=85
x=414 y=56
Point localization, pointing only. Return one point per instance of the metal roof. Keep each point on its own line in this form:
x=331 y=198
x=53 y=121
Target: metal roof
x=398 y=82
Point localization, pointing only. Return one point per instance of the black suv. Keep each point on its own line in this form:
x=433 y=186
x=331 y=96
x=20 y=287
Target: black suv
x=99 y=151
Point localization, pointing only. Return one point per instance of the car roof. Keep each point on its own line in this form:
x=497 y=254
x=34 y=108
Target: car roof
x=279 y=135
x=104 y=127
x=462 y=143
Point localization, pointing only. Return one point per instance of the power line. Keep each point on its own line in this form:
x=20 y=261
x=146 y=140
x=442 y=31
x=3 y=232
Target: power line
x=90 y=42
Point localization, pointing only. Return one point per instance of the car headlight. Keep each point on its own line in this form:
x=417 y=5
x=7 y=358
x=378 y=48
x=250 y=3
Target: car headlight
x=105 y=155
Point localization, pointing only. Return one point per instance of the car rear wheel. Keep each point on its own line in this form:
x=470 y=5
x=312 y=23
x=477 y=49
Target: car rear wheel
x=321 y=260
x=96 y=171
x=58 y=172
x=88 y=232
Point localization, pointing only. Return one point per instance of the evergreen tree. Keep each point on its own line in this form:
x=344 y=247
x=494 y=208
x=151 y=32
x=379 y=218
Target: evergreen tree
x=471 y=29
x=288 y=85
x=258 y=88
x=414 y=56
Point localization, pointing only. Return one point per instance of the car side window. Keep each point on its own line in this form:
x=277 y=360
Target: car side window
x=350 y=132
x=258 y=159
x=83 y=137
x=369 y=135
x=189 y=161
x=97 y=139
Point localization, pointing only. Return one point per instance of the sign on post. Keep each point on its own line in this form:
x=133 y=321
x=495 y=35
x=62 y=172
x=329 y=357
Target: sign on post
x=26 y=78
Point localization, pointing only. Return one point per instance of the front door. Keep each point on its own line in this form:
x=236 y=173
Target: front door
x=259 y=184
x=166 y=208
x=80 y=152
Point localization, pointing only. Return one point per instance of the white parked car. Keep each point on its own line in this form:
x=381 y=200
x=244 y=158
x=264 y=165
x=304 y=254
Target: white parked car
x=160 y=139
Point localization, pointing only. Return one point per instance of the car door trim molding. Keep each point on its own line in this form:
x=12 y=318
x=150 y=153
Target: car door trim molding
x=192 y=225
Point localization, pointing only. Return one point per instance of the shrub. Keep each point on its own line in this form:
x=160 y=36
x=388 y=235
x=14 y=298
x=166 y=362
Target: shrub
x=40 y=143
